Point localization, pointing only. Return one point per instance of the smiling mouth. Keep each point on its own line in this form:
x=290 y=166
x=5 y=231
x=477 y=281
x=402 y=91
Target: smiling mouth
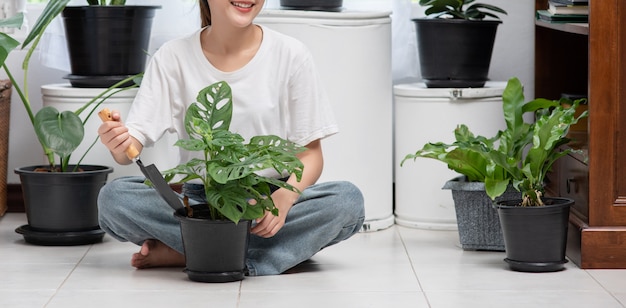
x=242 y=5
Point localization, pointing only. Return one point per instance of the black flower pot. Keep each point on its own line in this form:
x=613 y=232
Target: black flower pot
x=61 y=207
x=215 y=250
x=455 y=53
x=106 y=44
x=535 y=238
x=312 y=5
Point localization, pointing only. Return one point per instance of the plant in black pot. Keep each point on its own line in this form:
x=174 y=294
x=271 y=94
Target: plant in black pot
x=455 y=42
x=59 y=197
x=107 y=41
x=215 y=232
x=535 y=226
x=519 y=157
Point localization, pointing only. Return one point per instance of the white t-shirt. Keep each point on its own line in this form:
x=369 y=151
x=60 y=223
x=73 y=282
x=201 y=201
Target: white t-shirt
x=278 y=92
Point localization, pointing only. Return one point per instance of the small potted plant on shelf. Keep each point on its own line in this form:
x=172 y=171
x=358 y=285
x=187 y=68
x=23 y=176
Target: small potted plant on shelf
x=60 y=198
x=235 y=193
x=107 y=41
x=455 y=42
x=519 y=156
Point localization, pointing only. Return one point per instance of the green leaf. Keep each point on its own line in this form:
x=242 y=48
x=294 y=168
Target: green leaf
x=15 y=21
x=7 y=44
x=52 y=9
x=61 y=132
x=215 y=107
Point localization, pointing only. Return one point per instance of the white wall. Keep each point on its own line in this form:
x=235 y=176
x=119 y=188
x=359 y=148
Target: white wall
x=513 y=56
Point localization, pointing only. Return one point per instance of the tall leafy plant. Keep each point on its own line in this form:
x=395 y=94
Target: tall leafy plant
x=521 y=155
x=59 y=133
x=229 y=165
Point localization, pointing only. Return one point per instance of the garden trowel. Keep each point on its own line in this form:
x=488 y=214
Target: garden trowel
x=150 y=172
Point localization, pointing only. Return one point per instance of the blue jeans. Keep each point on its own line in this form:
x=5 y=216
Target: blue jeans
x=324 y=214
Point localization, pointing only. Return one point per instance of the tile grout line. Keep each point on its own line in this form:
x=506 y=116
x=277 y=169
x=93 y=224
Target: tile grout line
x=239 y=294
x=406 y=251
x=604 y=288
x=68 y=276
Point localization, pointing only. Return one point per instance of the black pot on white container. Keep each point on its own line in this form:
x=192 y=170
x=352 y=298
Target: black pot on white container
x=106 y=44
x=455 y=53
x=312 y=5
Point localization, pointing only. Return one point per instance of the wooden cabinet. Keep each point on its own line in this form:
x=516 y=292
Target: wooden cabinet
x=590 y=60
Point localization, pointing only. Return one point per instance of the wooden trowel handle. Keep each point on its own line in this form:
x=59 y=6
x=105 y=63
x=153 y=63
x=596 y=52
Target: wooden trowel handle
x=131 y=152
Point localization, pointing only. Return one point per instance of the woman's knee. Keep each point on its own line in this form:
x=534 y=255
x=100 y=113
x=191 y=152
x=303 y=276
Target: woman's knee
x=112 y=195
x=345 y=197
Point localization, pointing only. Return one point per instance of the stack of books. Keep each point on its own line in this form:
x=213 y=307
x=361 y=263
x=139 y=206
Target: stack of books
x=565 y=11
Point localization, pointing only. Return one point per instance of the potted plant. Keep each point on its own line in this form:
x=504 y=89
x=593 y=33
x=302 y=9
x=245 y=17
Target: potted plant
x=455 y=42
x=60 y=198
x=534 y=226
x=107 y=42
x=478 y=223
x=215 y=234
x=519 y=156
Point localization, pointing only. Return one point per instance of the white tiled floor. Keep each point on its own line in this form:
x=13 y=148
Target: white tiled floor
x=397 y=267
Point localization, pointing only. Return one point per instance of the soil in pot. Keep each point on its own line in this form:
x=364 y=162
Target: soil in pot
x=535 y=237
x=215 y=250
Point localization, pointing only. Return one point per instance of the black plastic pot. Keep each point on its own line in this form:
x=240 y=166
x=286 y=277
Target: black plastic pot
x=312 y=5
x=455 y=53
x=61 y=207
x=535 y=238
x=106 y=44
x=62 y=201
x=215 y=250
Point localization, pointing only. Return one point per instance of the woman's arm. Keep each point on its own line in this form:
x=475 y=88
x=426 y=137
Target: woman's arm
x=313 y=161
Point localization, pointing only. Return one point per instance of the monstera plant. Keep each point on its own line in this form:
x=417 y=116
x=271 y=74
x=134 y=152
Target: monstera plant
x=215 y=232
x=59 y=198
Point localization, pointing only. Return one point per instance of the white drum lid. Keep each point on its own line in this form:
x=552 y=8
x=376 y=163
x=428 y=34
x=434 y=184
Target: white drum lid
x=419 y=90
x=343 y=18
x=66 y=90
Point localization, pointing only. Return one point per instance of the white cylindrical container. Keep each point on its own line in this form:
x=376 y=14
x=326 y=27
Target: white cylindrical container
x=352 y=51
x=65 y=97
x=424 y=115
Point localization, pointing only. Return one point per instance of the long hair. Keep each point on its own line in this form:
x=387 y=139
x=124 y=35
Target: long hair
x=205 y=13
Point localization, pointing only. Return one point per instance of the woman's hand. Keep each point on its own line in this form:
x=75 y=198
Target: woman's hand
x=268 y=225
x=114 y=135
x=284 y=199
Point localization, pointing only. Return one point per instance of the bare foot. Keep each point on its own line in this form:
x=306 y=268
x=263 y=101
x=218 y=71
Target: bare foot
x=154 y=253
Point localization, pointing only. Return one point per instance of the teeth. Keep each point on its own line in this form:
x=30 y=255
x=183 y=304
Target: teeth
x=242 y=5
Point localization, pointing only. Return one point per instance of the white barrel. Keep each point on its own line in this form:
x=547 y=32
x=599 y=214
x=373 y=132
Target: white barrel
x=352 y=52
x=425 y=115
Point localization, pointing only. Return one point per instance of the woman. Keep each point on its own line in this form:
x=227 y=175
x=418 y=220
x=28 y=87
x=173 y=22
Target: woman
x=275 y=91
